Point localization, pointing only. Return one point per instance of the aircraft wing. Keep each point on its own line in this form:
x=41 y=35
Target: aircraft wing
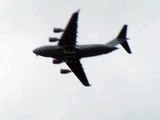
x=68 y=38
x=77 y=69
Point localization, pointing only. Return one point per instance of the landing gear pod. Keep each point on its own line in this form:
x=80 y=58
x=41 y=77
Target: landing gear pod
x=55 y=61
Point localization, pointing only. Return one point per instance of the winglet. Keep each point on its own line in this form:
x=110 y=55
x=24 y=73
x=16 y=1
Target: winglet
x=123 y=39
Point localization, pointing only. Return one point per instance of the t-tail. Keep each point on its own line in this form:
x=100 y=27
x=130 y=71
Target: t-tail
x=121 y=39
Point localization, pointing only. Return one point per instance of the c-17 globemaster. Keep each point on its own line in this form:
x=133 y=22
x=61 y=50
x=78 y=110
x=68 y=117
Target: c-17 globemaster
x=69 y=52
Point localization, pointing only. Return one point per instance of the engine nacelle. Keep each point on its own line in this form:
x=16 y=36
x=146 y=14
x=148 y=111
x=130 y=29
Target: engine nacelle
x=57 y=30
x=53 y=39
x=64 y=71
x=55 y=61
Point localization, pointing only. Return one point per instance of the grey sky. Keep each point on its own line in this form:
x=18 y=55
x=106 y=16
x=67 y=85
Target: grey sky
x=124 y=87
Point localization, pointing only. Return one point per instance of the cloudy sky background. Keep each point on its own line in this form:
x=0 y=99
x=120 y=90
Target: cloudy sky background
x=124 y=87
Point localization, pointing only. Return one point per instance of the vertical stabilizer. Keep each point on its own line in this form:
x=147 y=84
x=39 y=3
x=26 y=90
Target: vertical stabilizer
x=123 y=39
x=123 y=32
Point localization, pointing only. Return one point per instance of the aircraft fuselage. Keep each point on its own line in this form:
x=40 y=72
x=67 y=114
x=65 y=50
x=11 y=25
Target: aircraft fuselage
x=79 y=51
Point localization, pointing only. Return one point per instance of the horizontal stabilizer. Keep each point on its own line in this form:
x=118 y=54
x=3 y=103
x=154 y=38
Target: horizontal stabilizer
x=126 y=47
x=123 y=39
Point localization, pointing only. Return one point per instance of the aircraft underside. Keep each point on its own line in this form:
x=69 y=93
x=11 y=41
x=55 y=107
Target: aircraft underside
x=80 y=52
x=69 y=52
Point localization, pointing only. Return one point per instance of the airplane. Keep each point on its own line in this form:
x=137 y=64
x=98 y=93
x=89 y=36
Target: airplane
x=69 y=52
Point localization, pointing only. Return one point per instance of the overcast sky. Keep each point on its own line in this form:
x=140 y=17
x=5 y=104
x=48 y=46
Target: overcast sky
x=124 y=87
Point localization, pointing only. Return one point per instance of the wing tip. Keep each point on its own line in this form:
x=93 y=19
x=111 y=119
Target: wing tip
x=78 y=10
x=87 y=85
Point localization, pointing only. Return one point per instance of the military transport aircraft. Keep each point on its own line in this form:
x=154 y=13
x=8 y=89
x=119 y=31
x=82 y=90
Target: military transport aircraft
x=69 y=52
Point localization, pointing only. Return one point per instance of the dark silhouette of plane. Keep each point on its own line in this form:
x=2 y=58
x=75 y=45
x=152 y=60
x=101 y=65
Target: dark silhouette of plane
x=69 y=52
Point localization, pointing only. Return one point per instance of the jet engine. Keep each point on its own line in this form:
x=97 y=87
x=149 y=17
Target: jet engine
x=57 y=30
x=55 y=61
x=53 y=39
x=64 y=71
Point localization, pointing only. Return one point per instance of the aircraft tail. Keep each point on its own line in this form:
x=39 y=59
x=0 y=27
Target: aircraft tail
x=121 y=39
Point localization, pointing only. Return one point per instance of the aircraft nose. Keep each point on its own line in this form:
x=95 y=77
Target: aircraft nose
x=35 y=51
x=41 y=51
